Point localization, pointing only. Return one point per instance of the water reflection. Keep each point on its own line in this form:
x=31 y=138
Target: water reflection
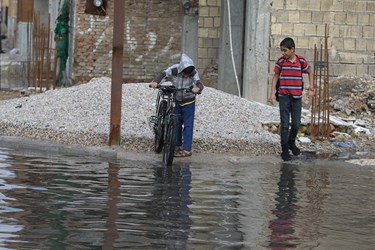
x=283 y=227
x=111 y=234
x=170 y=207
x=75 y=202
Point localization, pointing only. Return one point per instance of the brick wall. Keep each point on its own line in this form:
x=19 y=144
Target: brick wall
x=152 y=40
x=351 y=30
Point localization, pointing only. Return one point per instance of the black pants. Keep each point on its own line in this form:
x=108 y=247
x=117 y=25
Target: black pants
x=289 y=108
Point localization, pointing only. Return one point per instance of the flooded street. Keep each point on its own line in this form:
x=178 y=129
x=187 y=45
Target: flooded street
x=73 y=202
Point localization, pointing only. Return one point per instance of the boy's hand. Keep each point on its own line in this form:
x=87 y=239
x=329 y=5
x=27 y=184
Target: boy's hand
x=153 y=85
x=310 y=91
x=195 y=90
x=272 y=99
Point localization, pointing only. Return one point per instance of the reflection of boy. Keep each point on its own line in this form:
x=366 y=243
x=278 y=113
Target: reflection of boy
x=289 y=68
x=183 y=75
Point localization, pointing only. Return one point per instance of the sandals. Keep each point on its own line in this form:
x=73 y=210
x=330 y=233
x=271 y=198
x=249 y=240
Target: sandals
x=182 y=153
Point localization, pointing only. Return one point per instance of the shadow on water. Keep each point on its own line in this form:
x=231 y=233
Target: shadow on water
x=74 y=202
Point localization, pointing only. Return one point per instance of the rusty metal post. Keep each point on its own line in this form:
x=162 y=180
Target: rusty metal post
x=117 y=64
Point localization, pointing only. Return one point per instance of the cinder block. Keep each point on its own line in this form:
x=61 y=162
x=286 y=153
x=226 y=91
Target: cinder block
x=368 y=31
x=364 y=19
x=293 y=16
x=337 y=5
x=362 y=69
x=340 y=18
x=305 y=16
x=352 y=18
x=276 y=29
x=326 y=5
x=317 y=18
x=299 y=29
x=360 y=44
x=310 y=29
x=291 y=4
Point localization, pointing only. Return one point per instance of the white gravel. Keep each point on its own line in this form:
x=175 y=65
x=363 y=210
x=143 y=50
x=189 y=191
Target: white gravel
x=80 y=115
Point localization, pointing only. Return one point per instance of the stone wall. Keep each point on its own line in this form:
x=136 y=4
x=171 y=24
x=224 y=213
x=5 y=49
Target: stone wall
x=152 y=40
x=351 y=31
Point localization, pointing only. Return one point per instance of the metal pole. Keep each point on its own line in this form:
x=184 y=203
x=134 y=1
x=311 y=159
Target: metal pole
x=117 y=64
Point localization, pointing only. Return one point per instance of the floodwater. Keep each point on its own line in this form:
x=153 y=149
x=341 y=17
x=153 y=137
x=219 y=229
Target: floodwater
x=72 y=202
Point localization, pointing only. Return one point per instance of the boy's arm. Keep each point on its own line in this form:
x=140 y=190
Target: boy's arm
x=158 y=79
x=198 y=85
x=272 y=97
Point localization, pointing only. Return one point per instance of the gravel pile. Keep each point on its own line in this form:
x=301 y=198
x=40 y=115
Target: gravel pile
x=80 y=115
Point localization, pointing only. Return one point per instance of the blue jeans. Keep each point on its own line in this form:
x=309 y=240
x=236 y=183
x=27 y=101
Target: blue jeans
x=185 y=115
x=289 y=107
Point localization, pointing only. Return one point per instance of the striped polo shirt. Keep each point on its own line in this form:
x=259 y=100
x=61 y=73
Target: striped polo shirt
x=291 y=76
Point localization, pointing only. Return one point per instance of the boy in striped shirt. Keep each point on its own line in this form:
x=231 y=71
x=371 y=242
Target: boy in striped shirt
x=289 y=68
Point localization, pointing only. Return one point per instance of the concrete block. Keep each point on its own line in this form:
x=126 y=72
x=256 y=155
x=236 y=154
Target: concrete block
x=298 y=29
x=326 y=5
x=360 y=44
x=364 y=19
x=370 y=6
x=305 y=16
x=291 y=4
x=276 y=29
x=340 y=18
x=314 y=5
x=320 y=30
x=338 y=43
x=213 y=33
x=361 y=6
x=302 y=42
x=350 y=5
x=328 y=17
x=203 y=32
x=370 y=44
x=317 y=18
x=204 y=11
x=214 y=11
x=337 y=5
x=293 y=16
x=371 y=69
x=310 y=29
x=303 y=4
x=277 y=5
x=352 y=18
x=208 y=22
x=362 y=69
x=212 y=2
x=368 y=31
x=217 y=22
x=334 y=31
x=356 y=32
x=286 y=30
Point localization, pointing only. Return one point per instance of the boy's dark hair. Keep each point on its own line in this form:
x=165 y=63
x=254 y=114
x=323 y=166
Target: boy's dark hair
x=188 y=70
x=287 y=43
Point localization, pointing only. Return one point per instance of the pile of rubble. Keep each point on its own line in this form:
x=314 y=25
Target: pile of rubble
x=353 y=100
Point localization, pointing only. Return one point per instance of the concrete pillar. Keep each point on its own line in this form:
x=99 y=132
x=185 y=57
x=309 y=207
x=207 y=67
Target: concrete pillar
x=256 y=52
x=190 y=37
x=227 y=78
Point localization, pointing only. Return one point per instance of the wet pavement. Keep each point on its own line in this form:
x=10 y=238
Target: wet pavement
x=55 y=197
